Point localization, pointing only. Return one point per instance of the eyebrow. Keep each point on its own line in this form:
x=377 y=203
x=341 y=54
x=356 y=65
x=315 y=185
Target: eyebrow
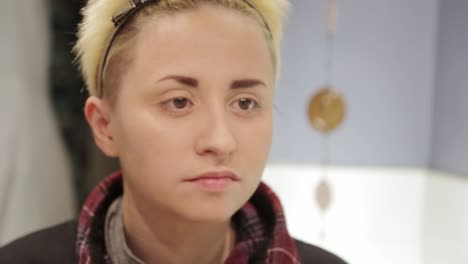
x=236 y=84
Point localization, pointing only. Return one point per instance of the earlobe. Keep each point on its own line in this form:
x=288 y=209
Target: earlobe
x=97 y=114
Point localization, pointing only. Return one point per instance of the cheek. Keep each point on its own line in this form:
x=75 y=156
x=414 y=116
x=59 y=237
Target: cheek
x=255 y=142
x=147 y=144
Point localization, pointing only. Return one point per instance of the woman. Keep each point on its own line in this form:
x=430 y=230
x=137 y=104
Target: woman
x=182 y=94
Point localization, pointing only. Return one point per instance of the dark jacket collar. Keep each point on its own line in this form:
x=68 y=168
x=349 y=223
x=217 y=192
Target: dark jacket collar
x=260 y=226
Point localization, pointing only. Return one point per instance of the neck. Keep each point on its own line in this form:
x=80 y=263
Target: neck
x=157 y=236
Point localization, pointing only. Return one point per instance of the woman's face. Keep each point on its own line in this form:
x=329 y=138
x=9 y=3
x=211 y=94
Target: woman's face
x=196 y=99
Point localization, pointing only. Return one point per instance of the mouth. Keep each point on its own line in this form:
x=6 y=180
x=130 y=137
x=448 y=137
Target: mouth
x=215 y=180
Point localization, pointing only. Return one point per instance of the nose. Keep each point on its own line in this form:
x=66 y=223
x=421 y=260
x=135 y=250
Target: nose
x=216 y=137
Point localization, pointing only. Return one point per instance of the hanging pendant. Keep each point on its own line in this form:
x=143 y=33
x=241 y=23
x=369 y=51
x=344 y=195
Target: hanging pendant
x=324 y=197
x=326 y=110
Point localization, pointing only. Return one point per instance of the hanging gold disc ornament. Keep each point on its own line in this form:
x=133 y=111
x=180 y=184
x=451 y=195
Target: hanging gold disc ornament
x=326 y=110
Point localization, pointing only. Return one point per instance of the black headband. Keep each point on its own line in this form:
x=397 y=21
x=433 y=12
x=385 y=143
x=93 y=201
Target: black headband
x=121 y=19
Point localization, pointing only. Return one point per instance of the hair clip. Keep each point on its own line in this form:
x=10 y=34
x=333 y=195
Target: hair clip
x=135 y=5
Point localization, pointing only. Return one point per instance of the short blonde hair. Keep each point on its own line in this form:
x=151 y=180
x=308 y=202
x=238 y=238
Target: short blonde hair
x=97 y=28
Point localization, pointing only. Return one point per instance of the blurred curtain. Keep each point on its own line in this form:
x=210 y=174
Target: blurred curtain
x=36 y=185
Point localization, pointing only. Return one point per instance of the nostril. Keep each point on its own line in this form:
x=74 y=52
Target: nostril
x=215 y=137
x=221 y=147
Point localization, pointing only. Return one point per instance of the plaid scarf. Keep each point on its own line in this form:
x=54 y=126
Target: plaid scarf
x=260 y=227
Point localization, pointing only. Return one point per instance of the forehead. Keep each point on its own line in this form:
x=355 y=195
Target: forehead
x=205 y=38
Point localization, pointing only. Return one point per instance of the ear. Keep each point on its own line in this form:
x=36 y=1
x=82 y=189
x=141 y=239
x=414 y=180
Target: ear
x=97 y=113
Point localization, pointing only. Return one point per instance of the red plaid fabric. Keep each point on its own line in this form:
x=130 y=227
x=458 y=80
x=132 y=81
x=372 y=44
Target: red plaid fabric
x=260 y=226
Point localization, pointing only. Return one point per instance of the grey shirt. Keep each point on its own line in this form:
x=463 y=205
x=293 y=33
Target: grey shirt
x=116 y=244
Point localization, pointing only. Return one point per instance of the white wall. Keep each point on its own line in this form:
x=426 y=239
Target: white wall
x=445 y=237
x=378 y=215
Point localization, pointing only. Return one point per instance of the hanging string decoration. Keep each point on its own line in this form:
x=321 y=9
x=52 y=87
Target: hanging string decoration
x=326 y=112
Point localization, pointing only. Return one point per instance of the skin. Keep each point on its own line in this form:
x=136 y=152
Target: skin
x=218 y=63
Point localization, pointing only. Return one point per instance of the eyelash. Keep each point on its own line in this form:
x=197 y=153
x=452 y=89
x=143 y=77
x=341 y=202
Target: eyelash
x=175 y=110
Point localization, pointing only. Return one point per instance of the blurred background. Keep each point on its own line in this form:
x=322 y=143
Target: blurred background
x=397 y=168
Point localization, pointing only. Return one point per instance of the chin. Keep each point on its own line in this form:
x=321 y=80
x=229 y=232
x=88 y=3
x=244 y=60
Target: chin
x=211 y=213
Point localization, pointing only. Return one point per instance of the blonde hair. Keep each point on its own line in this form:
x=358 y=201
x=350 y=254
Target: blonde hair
x=97 y=29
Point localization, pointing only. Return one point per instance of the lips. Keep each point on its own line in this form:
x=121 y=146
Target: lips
x=215 y=181
x=214 y=175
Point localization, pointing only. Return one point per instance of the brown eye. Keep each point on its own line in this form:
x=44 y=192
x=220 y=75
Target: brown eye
x=180 y=103
x=177 y=105
x=246 y=104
